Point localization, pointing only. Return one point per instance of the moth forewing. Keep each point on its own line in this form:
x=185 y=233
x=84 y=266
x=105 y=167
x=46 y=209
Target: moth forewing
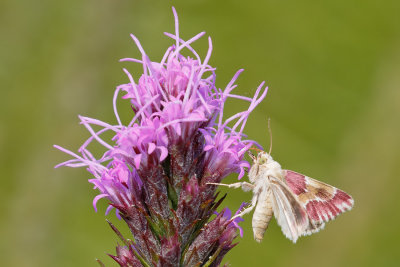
x=322 y=202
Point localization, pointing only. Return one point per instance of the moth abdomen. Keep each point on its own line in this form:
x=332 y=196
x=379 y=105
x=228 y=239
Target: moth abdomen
x=262 y=216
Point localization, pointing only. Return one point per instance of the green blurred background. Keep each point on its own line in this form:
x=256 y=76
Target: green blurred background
x=333 y=68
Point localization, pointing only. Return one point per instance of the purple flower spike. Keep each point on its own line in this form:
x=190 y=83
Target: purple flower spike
x=156 y=169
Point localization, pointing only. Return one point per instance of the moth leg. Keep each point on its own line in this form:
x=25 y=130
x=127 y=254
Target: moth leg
x=247 y=210
x=254 y=158
x=245 y=185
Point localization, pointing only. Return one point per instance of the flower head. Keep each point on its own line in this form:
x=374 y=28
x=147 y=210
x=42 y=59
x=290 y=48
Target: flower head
x=155 y=170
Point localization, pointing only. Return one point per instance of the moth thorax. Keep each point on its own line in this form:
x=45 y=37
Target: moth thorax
x=274 y=169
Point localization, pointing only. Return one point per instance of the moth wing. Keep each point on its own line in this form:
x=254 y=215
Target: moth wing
x=322 y=202
x=289 y=212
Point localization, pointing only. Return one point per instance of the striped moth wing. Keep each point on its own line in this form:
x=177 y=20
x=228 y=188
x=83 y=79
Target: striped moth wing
x=289 y=212
x=321 y=201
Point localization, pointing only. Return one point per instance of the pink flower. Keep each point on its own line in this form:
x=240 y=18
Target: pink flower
x=156 y=168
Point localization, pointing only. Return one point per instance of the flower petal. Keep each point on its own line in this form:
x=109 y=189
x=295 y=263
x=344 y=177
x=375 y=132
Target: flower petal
x=97 y=198
x=136 y=159
x=151 y=148
x=164 y=152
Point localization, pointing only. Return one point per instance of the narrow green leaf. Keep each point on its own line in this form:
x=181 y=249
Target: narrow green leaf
x=172 y=196
x=214 y=256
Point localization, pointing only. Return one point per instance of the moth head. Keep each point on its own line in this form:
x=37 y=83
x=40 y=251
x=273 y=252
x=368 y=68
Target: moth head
x=263 y=158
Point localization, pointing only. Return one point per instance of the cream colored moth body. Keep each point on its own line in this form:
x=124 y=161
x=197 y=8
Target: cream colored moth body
x=262 y=194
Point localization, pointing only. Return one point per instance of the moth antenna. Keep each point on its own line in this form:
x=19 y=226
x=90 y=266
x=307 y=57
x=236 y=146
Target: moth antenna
x=270 y=136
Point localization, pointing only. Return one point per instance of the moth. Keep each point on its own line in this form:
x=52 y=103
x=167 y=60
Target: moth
x=300 y=204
